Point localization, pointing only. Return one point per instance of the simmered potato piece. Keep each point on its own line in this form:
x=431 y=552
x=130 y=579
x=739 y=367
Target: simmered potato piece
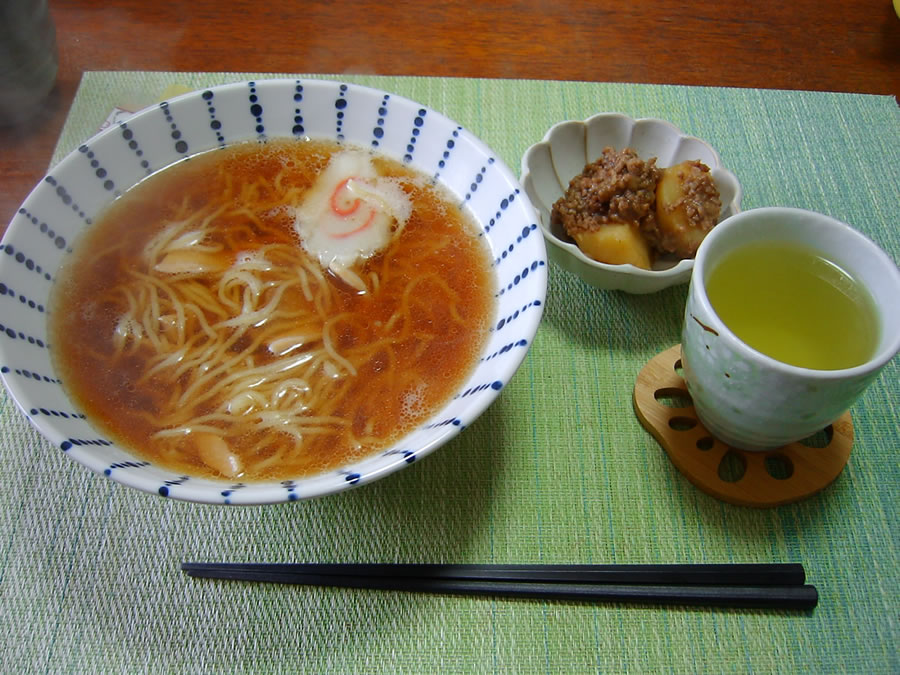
x=615 y=244
x=687 y=207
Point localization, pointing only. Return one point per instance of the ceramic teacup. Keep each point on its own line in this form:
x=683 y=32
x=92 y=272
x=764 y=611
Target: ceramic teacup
x=748 y=399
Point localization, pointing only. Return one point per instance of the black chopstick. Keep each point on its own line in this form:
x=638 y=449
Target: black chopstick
x=656 y=585
x=774 y=574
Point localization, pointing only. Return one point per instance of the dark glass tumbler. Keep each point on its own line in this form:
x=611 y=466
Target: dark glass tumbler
x=28 y=58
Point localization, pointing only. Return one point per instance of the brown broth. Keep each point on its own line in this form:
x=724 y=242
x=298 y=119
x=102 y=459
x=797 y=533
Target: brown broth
x=427 y=352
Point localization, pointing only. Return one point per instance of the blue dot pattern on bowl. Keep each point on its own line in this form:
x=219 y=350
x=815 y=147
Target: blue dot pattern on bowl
x=256 y=111
x=181 y=146
x=75 y=193
x=58 y=240
x=128 y=138
x=66 y=198
x=378 y=129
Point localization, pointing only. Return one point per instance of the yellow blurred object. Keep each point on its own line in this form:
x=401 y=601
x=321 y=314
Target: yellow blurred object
x=897 y=8
x=174 y=90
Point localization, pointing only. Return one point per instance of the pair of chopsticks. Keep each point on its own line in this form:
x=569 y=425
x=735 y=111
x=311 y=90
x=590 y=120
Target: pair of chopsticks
x=771 y=586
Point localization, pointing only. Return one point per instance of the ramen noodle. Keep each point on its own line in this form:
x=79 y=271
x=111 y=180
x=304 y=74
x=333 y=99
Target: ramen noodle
x=270 y=311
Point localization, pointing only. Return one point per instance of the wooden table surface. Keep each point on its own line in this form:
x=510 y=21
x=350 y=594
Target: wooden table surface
x=826 y=45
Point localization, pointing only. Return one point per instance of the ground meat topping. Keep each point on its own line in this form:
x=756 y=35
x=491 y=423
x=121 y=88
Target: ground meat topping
x=619 y=187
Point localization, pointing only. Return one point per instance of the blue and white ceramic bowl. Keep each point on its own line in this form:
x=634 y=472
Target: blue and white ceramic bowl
x=70 y=198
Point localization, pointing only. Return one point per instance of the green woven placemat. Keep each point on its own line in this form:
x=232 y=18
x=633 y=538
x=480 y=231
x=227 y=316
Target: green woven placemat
x=557 y=470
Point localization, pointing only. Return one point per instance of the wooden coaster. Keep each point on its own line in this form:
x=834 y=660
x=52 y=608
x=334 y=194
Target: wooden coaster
x=759 y=479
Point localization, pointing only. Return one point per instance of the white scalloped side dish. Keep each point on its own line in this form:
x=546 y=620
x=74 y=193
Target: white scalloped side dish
x=549 y=165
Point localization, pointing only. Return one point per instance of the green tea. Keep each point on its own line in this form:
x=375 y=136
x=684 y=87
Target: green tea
x=790 y=303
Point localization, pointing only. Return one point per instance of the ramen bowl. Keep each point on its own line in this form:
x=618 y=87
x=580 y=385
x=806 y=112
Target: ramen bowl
x=44 y=234
x=548 y=166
